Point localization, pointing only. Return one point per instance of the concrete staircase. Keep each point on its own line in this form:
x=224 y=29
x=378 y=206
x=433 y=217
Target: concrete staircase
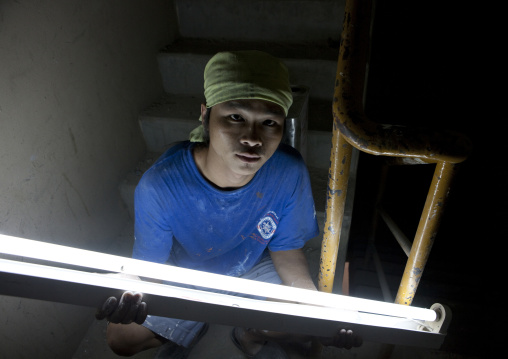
x=305 y=35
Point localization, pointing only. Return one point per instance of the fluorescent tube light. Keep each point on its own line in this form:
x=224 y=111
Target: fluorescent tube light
x=84 y=288
x=116 y=264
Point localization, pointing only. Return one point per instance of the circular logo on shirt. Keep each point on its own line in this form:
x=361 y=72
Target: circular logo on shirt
x=267 y=225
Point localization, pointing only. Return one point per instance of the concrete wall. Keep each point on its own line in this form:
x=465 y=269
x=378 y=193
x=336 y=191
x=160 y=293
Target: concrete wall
x=73 y=77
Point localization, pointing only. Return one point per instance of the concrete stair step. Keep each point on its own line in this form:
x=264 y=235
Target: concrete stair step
x=267 y=20
x=328 y=50
x=169 y=120
x=182 y=64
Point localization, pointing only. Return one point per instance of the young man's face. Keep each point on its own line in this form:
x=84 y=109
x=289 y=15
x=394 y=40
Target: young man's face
x=244 y=134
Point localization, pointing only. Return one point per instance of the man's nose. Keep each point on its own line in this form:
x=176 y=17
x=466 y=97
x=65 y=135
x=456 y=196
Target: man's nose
x=250 y=136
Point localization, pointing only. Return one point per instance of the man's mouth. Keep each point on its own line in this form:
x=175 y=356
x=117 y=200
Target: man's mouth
x=248 y=157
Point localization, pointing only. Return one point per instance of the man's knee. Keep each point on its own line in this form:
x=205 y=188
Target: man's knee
x=117 y=341
x=129 y=339
x=120 y=349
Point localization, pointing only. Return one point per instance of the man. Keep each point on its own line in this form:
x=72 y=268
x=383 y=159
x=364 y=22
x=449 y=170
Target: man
x=235 y=202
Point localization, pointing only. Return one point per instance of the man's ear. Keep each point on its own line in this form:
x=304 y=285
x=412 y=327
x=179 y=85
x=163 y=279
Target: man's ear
x=203 y=110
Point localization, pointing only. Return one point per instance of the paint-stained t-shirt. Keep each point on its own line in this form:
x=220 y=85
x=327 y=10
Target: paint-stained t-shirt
x=182 y=219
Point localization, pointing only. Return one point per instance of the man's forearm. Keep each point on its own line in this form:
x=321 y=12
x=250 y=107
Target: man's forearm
x=293 y=268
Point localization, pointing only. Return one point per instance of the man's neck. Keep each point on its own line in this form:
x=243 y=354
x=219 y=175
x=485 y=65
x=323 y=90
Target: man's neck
x=215 y=174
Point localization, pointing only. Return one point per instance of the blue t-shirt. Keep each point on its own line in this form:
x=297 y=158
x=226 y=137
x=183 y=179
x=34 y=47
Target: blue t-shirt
x=180 y=217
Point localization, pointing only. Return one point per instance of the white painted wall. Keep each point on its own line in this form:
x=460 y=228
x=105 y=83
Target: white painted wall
x=73 y=77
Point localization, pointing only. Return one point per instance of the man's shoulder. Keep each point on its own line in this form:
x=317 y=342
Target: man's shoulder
x=173 y=150
x=173 y=155
x=173 y=159
x=288 y=156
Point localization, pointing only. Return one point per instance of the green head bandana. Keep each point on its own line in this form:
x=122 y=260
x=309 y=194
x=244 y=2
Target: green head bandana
x=244 y=75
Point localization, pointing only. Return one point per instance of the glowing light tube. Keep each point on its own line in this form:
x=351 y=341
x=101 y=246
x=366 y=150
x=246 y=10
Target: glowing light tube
x=116 y=264
x=90 y=289
x=57 y=284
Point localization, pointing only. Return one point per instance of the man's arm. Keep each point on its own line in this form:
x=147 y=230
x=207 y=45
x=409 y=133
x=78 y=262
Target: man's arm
x=293 y=269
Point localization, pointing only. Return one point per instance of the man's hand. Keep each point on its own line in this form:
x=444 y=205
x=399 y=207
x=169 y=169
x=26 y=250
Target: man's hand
x=129 y=309
x=343 y=339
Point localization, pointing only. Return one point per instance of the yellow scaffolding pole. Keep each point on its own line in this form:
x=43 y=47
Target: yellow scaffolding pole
x=351 y=128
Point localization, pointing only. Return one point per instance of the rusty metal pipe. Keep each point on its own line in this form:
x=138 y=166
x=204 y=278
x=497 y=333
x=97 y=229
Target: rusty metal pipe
x=351 y=127
x=338 y=176
x=366 y=135
x=426 y=232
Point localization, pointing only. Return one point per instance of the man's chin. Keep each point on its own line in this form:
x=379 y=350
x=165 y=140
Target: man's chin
x=249 y=169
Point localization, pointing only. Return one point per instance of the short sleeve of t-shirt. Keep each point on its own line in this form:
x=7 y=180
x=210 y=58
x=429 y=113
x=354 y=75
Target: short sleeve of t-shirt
x=153 y=237
x=298 y=218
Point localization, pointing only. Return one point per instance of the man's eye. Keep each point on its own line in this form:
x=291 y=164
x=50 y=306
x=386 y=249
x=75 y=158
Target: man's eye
x=236 y=118
x=270 y=123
